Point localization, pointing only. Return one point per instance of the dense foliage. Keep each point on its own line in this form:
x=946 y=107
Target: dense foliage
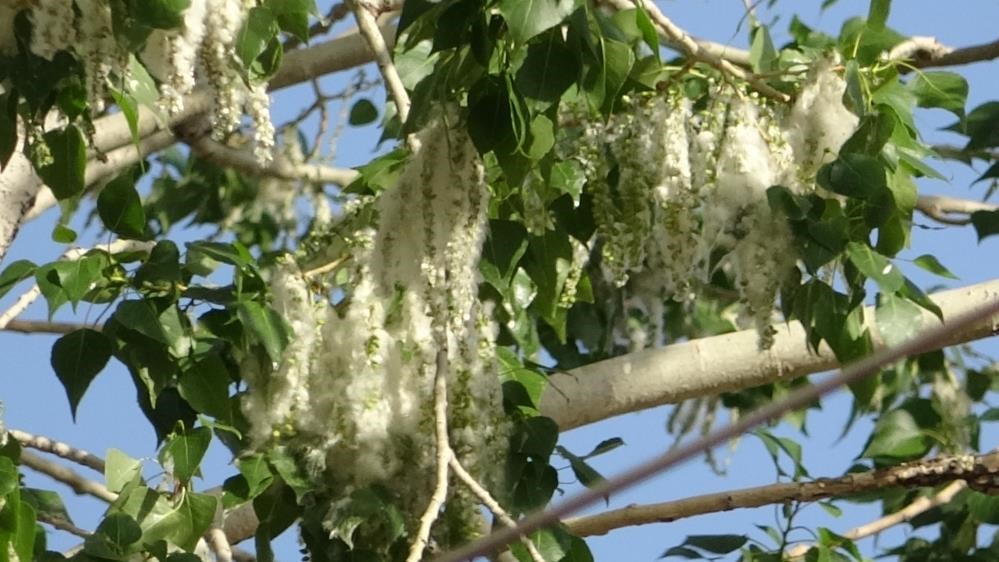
x=565 y=188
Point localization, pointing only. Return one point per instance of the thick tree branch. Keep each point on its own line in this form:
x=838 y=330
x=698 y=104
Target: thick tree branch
x=956 y=57
x=981 y=469
x=927 y=340
x=725 y=363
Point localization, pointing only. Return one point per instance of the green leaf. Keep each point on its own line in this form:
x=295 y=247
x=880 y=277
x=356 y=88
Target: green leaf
x=139 y=315
x=528 y=18
x=716 y=544
x=986 y=223
x=877 y=15
x=293 y=16
x=854 y=175
x=259 y=28
x=14 y=273
x=930 y=263
x=185 y=524
x=896 y=437
x=63 y=234
x=205 y=386
x=254 y=477
x=120 y=208
x=65 y=174
x=120 y=528
x=77 y=358
x=362 y=113
x=946 y=90
x=762 y=54
x=898 y=319
x=875 y=266
x=120 y=470
x=549 y=68
x=265 y=326
x=511 y=369
x=980 y=125
x=161 y=14
x=542 y=138
x=184 y=452
x=605 y=446
x=9 y=478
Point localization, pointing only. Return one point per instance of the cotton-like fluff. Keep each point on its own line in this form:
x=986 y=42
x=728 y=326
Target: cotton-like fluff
x=98 y=50
x=818 y=123
x=275 y=398
x=171 y=56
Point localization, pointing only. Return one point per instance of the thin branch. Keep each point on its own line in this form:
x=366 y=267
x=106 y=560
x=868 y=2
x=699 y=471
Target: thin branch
x=951 y=210
x=908 y=513
x=68 y=476
x=376 y=42
x=696 y=51
x=58 y=448
x=933 y=338
x=336 y=13
x=493 y=506
x=280 y=167
x=42 y=327
x=25 y=300
x=19 y=306
x=61 y=524
x=927 y=472
x=439 y=495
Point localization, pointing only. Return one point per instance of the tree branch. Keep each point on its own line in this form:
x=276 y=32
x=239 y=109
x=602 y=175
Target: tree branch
x=379 y=48
x=956 y=57
x=951 y=210
x=908 y=513
x=928 y=472
x=42 y=327
x=724 y=363
x=58 y=448
x=439 y=495
x=696 y=51
x=280 y=167
x=68 y=476
x=930 y=339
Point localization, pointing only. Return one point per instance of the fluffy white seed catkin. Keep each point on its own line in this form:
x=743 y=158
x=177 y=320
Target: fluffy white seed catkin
x=98 y=49
x=818 y=123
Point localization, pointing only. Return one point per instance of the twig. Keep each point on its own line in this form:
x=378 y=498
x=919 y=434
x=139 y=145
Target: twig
x=908 y=513
x=439 y=495
x=927 y=472
x=943 y=209
x=336 y=13
x=492 y=505
x=929 y=339
x=58 y=448
x=42 y=327
x=68 y=476
x=280 y=167
x=62 y=525
x=25 y=300
x=369 y=30
x=695 y=51
x=325 y=268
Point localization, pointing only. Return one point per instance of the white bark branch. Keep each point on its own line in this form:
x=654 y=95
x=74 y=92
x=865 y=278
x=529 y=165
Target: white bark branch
x=725 y=363
x=951 y=210
x=58 y=448
x=383 y=57
x=68 y=476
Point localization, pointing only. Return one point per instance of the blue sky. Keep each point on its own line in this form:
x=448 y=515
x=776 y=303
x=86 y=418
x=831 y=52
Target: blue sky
x=35 y=402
